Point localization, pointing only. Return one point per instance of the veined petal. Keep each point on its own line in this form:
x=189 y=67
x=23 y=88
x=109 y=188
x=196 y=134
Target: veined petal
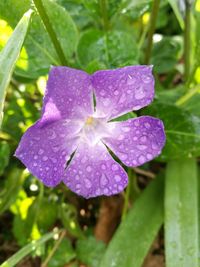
x=44 y=150
x=121 y=90
x=93 y=172
x=136 y=141
x=68 y=95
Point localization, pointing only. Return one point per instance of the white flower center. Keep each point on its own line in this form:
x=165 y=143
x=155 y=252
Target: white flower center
x=94 y=130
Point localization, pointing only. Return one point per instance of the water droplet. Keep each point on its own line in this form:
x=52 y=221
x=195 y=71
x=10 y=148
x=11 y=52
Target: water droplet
x=129 y=91
x=45 y=158
x=146 y=78
x=88 y=184
x=117 y=178
x=78 y=186
x=149 y=156
x=141 y=159
x=41 y=151
x=123 y=156
x=55 y=148
x=131 y=80
x=34 y=164
x=54 y=160
x=103 y=180
x=143 y=138
x=155 y=145
x=135 y=138
x=55 y=169
x=141 y=147
x=116 y=92
x=103 y=166
x=35 y=157
x=115 y=167
x=102 y=92
x=47 y=168
x=88 y=169
x=122 y=99
x=140 y=93
x=84 y=159
x=37 y=138
x=51 y=135
x=126 y=129
x=147 y=125
x=77 y=177
x=120 y=188
x=136 y=123
x=106 y=102
x=121 y=137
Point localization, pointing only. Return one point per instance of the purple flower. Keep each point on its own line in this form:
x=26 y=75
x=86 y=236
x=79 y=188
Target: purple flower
x=74 y=126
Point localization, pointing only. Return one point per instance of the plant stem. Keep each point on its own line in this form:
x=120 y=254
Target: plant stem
x=43 y=15
x=104 y=13
x=183 y=99
x=152 y=26
x=62 y=235
x=127 y=194
x=187 y=41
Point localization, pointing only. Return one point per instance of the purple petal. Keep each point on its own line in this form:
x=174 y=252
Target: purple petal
x=45 y=150
x=136 y=141
x=68 y=94
x=93 y=172
x=122 y=90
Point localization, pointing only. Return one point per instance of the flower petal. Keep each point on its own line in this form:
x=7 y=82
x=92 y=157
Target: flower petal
x=68 y=94
x=93 y=172
x=136 y=141
x=44 y=150
x=122 y=90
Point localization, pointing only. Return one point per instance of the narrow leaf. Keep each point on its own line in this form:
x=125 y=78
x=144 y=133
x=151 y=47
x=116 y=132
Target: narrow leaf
x=181 y=214
x=13 y=260
x=136 y=233
x=9 y=56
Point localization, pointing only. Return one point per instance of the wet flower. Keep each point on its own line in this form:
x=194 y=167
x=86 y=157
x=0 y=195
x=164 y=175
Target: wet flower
x=70 y=141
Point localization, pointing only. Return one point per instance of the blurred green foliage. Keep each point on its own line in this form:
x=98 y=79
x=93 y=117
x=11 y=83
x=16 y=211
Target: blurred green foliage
x=99 y=35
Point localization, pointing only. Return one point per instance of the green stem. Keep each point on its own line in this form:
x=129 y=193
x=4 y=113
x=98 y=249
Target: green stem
x=41 y=10
x=188 y=95
x=104 y=13
x=127 y=194
x=187 y=41
x=152 y=26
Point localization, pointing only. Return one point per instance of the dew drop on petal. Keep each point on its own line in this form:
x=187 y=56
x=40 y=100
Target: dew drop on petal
x=121 y=137
x=103 y=166
x=141 y=147
x=117 y=178
x=41 y=151
x=88 y=184
x=147 y=125
x=143 y=138
x=155 y=145
x=114 y=167
x=120 y=188
x=45 y=158
x=141 y=159
x=103 y=180
x=89 y=168
x=77 y=177
x=35 y=157
x=126 y=129
x=140 y=94
x=34 y=164
x=116 y=92
x=149 y=156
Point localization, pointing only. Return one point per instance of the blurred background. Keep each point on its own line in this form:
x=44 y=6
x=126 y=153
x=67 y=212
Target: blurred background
x=58 y=228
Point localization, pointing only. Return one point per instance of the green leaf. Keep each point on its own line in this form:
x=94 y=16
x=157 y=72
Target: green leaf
x=175 y=6
x=90 y=251
x=68 y=216
x=182 y=131
x=181 y=214
x=4 y=156
x=136 y=233
x=17 y=257
x=63 y=254
x=166 y=53
x=114 y=50
x=9 y=56
x=39 y=52
x=12 y=186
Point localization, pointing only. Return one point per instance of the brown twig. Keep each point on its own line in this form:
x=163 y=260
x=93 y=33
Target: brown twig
x=145 y=173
